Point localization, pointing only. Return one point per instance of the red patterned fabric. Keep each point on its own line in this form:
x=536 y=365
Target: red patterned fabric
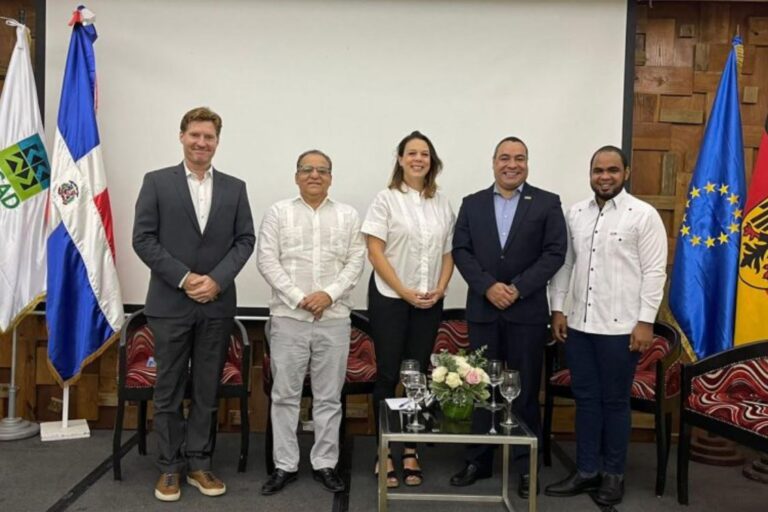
x=361 y=362
x=735 y=394
x=141 y=346
x=452 y=335
x=231 y=373
x=644 y=382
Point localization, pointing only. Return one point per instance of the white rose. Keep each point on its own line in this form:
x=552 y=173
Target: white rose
x=453 y=380
x=439 y=373
x=485 y=379
x=464 y=368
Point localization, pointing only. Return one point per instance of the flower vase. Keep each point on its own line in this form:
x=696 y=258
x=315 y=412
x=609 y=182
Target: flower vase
x=457 y=411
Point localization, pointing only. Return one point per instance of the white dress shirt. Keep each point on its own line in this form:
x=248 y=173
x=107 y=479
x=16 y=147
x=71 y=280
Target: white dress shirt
x=417 y=232
x=615 y=267
x=201 y=192
x=302 y=250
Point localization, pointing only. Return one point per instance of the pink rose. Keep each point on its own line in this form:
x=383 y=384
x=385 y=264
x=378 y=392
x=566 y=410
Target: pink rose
x=473 y=377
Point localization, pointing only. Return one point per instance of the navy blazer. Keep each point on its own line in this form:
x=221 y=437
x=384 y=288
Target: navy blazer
x=167 y=238
x=534 y=252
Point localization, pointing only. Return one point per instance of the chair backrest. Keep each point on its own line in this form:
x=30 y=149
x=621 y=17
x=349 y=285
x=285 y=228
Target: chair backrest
x=137 y=348
x=452 y=335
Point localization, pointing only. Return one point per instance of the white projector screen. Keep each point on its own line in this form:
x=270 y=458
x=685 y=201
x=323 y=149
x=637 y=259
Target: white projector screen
x=351 y=78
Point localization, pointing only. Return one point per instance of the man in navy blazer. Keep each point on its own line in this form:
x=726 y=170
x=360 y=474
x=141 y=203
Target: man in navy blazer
x=193 y=229
x=509 y=240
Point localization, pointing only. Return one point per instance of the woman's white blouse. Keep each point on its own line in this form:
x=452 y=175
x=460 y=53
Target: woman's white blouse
x=417 y=232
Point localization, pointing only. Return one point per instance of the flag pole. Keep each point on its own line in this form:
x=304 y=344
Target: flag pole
x=11 y=427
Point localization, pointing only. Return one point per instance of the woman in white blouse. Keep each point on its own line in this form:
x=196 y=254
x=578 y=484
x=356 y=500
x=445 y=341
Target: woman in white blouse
x=409 y=227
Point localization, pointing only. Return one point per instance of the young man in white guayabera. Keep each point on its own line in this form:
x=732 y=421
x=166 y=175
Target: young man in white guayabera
x=614 y=271
x=311 y=253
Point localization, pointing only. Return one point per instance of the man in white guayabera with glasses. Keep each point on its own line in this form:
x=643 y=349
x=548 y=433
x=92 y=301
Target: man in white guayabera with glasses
x=311 y=252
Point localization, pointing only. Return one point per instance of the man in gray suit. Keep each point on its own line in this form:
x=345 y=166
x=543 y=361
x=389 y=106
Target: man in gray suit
x=193 y=229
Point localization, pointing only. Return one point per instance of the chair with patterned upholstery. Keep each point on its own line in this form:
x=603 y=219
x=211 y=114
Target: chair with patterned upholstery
x=727 y=395
x=361 y=376
x=452 y=335
x=655 y=390
x=136 y=381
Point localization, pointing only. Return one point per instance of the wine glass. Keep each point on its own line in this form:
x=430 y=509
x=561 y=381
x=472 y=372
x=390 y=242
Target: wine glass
x=409 y=367
x=510 y=389
x=416 y=389
x=495 y=367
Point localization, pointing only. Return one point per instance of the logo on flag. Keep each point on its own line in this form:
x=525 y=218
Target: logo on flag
x=753 y=260
x=26 y=170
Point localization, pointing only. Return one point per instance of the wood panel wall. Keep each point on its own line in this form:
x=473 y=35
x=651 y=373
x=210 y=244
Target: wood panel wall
x=681 y=48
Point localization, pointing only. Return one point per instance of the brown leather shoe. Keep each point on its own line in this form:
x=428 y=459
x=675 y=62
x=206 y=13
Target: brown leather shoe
x=206 y=482
x=167 y=487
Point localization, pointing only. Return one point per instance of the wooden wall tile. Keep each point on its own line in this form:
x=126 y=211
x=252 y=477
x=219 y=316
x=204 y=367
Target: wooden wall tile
x=750 y=94
x=660 y=42
x=757 y=31
x=685 y=139
x=715 y=22
x=646 y=172
x=682 y=116
x=651 y=136
x=645 y=108
x=670 y=164
x=85 y=400
x=706 y=81
x=752 y=135
x=663 y=80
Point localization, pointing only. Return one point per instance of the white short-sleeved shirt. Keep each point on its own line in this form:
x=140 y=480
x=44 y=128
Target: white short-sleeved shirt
x=417 y=232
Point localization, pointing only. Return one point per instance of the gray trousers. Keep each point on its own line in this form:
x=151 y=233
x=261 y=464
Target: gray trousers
x=177 y=340
x=323 y=347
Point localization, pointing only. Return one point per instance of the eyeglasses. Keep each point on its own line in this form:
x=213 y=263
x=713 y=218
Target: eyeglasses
x=306 y=170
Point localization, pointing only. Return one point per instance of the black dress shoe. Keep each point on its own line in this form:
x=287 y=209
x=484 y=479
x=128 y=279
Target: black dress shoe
x=611 y=491
x=277 y=480
x=573 y=485
x=469 y=475
x=524 y=485
x=329 y=478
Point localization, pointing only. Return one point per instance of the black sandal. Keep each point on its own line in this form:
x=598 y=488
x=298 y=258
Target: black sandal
x=412 y=477
x=392 y=481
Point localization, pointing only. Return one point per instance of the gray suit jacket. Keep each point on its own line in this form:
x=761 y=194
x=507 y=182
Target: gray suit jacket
x=167 y=238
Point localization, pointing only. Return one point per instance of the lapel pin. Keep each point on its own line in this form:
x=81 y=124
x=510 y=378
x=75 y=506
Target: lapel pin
x=527 y=197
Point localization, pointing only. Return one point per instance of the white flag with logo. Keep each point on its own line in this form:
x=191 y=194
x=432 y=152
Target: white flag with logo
x=24 y=180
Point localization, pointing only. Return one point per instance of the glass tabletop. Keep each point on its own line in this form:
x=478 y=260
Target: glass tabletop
x=476 y=429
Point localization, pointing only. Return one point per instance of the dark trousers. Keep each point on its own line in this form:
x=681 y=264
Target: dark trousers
x=399 y=331
x=177 y=340
x=522 y=347
x=602 y=368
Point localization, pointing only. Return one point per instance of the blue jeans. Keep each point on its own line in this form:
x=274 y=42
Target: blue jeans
x=602 y=368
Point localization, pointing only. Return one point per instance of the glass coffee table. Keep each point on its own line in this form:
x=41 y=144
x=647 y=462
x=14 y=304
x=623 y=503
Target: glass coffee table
x=438 y=430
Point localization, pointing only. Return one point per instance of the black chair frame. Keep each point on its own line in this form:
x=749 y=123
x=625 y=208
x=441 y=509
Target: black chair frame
x=690 y=418
x=358 y=320
x=144 y=395
x=661 y=408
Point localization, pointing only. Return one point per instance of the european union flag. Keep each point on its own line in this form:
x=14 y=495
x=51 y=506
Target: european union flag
x=702 y=294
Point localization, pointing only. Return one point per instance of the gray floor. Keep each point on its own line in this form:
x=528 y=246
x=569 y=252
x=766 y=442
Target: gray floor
x=35 y=475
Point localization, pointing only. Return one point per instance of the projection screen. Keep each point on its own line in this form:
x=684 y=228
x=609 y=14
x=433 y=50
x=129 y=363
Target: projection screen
x=351 y=78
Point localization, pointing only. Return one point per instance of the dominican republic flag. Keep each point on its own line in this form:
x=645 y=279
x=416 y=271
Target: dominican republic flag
x=84 y=307
x=24 y=180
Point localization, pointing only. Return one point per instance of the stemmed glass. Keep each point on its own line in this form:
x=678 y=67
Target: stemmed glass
x=416 y=389
x=495 y=367
x=510 y=389
x=409 y=367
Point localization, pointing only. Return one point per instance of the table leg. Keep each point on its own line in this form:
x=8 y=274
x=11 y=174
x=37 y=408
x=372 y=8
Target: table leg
x=533 y=472
x=505 y=477
x=382 y=494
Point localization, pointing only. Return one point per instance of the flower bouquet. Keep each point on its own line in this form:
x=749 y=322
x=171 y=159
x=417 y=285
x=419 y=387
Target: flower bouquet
x=458 y=380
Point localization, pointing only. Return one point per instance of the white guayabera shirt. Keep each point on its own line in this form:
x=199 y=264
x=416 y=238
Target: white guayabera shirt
x=614 y=267
x=417 y=232
x=302 y=250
